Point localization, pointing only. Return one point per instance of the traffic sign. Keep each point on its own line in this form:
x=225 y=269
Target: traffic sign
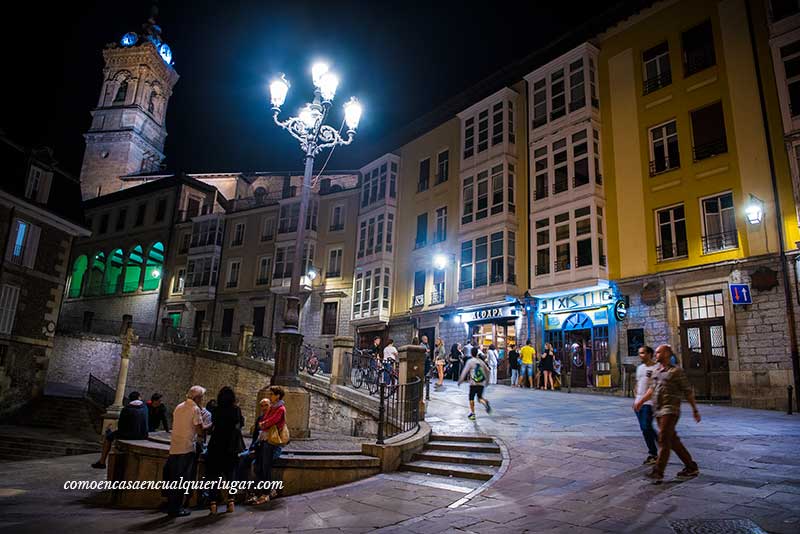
x=740 y=294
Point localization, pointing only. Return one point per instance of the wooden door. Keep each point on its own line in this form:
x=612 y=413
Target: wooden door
x=705 y=358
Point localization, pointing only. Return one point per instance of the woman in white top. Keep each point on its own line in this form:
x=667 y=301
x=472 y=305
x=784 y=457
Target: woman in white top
x=491 y=359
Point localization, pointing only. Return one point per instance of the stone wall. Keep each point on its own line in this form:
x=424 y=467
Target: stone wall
x=171 y=370
x=758 y=347
x=108 y=312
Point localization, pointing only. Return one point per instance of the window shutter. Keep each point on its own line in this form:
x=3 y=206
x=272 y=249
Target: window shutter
x=44 y=187
x=9 y=295
x=11 y=240
x=31 y=246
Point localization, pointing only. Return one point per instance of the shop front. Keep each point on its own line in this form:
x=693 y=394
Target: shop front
x=577 y=325
x=496 y=325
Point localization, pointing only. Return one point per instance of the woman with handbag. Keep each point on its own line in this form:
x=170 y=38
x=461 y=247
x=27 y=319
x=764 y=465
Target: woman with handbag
x=274 y=436
x=440 y=359
x=225 y=444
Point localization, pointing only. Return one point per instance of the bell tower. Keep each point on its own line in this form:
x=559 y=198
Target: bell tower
x=128 y=125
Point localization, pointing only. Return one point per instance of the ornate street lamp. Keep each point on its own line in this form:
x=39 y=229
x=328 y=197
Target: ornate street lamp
x=307 y=127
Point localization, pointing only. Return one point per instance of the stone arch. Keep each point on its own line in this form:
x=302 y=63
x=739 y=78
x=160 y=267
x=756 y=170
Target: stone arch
x=97 y=272
x=154 y=267
x=119 y=86
x=79 y=268
x=113 y=274
x=134 y=265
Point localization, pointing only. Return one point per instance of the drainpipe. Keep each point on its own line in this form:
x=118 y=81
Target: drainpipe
x=787 y=294
x=530 y=210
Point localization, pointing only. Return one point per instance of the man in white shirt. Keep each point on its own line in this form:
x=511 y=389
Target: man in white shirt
x=644 y=380
x=187 y=423
x=390 y=356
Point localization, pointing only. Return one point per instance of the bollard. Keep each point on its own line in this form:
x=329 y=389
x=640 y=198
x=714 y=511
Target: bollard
x=789 y=390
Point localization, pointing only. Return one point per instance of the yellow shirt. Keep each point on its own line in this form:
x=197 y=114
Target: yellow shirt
x=527 y=353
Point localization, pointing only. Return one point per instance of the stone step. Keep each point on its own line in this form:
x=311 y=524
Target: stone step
x=329 y=461
x=455 y=437
x=468 y=458
x=477 y=472
x=465 y=446
x=449 y=483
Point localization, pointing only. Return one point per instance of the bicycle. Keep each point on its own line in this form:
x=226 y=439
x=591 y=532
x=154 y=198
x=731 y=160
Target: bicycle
x=361 y=374
x=309 y=362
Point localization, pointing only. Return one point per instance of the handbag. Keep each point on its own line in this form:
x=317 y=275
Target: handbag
x=276 y=437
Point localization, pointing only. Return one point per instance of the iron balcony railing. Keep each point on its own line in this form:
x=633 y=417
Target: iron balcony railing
x=262 y=281
x=699 y=59
x=583 y=261
x=560 y=185
x=558 y=112
x=437 y=297
x=562 y=265
x=542 y=268
x=465 y=284
x=496 y=278
x=419 y=300
x=665 y=164
x=333 y=274
x=712 y=148
x=721 y=241
x=603 y=260
x=336 y=227
x=261 y=349
x=541 y=192
x=671 y=251
x=657 y=82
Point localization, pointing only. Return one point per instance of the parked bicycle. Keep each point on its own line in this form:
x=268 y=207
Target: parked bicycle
x=364 y=371
x=309 y=361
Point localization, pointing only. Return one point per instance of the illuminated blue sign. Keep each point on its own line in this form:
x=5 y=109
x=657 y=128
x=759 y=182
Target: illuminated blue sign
x=740 y=294
x=129 y=39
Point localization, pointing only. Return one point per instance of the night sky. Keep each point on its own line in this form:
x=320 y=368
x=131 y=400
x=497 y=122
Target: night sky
x=401 y=59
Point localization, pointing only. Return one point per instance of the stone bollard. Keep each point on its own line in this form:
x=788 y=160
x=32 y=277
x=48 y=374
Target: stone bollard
x=412 y=365
x=166 y=323
x=111 y=417
x=205 y=334
x=245 y=338
x=342 y=359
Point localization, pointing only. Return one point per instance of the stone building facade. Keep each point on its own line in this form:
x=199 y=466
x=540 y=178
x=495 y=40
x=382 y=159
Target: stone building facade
x=39 y=221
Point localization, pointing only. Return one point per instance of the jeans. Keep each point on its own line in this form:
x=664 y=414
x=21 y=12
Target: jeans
x=266 y=454
x=178 y=466
x=514 y=377
x=668 y=440
x=645 y=416
x=527 y=369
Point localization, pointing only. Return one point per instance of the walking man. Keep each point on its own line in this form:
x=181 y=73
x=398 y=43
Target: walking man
x=644 y=379
x=187 y=423
x=527 y=353
x=477 y=371
x=669 y=385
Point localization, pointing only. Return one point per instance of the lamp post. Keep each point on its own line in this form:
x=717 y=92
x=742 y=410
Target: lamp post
x=527 y=299
x=314 y=136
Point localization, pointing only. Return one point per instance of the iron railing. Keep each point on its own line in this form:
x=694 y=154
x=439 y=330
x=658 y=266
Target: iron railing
x=721 y=241
x=540 y=192
x=712 y=148
x=437 y=297
x=542 y=268
x=100 y=392
x=224 y=341
x=364 y=371
x=657 y=82
x=464 y=284
x=699 y=58
x=671 y=251
x=663 y=165
x=184 y=337
x=261 y=349
x=583 y=261
x=562 y=265
x=336 y=227
x=419 y=300
x=398 y=409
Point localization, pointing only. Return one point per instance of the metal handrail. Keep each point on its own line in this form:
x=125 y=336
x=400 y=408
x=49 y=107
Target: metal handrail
x=398 y=408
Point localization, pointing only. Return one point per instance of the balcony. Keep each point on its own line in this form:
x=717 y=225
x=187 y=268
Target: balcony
x=418 y=301
x=437 y=297
x=336 y=227
x=262 y=281
x=671 y=251
x=710 y=149
x=541 y=192
x=558 y=113
x=496 y=278
x=562 y=265
x=333 y=274
x=699 y=59
x=420 y=244
x=542 y=268
x=560 y=185
x=582 y=261
x=664 y=165
x=722 y=241
x=656 y=82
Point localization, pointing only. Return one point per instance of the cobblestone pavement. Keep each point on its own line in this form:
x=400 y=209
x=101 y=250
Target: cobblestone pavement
x=575 y=467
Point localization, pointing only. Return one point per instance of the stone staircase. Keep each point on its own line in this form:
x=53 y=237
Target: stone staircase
x=457 y=463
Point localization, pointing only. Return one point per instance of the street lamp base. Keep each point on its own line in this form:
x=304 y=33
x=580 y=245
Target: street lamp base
x=287 y=359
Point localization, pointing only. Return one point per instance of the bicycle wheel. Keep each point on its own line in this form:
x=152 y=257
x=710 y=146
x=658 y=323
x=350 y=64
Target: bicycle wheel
x=371 y=379
x=357 y=377
x=313 y=366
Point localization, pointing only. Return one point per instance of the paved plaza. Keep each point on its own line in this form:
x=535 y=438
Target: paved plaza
x=575 y=466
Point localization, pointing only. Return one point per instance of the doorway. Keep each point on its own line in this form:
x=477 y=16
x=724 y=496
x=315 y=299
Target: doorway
x=705 y=354
x=502 y=335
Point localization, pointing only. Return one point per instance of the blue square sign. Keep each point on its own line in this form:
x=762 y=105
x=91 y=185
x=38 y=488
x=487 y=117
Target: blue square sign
x=740 y=294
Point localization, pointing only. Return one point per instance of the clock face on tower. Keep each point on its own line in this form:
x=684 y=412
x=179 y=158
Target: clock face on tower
x=166 y=53
x=129 y=39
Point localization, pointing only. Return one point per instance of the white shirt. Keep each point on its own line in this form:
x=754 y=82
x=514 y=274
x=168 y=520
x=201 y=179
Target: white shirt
x=491 y=356
x=390 y=353
x=185 y=419
x=644 y=379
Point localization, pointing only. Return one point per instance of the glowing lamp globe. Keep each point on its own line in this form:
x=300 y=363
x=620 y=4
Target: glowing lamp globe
x=318 y=70
x=754 y=213
x=440 y=261
x=327 y=86
x=308 y=117
x=352 y=113
x=166 y=53
x=155 y=273
x=277 y=91
x=312 y=274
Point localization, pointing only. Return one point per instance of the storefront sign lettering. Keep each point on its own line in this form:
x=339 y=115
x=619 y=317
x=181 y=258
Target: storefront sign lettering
x=489 y=313
x=577 y=301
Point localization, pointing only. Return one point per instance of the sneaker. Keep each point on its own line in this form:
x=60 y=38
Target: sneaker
x=651 y=460
x=99 y=465
x=488 y=407
x=471 y=417
x=687 y=473
x=656 y=478
x=180 y=513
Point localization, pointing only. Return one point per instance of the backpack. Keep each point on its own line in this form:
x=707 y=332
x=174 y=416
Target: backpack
x=477 y=374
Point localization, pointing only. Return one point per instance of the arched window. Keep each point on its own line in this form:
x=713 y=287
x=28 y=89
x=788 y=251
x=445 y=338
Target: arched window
x=78 y=273
x=155 y=265
x=151 y=102
x=133 y=270
x=122 y=92
x=96 y=275
x=113 y=272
